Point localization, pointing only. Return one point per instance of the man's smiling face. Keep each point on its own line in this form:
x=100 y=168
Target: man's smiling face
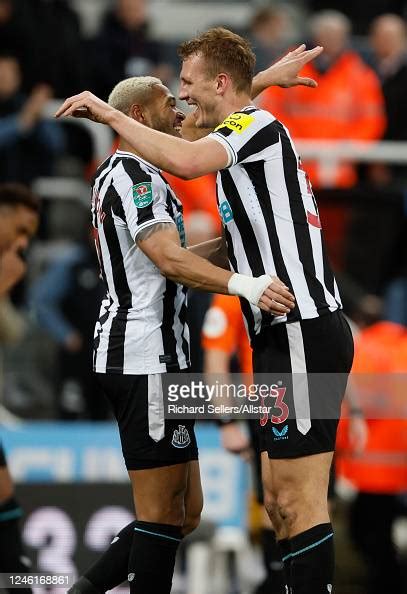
x=162 y=113
x=199 y=91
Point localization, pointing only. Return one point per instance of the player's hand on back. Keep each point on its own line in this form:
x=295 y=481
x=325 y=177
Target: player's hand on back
x=267 y=292
x=276 y=298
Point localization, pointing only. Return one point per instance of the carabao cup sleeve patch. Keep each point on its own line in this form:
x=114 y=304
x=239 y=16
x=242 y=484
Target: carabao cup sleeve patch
x=142 y=194
x=237 y=122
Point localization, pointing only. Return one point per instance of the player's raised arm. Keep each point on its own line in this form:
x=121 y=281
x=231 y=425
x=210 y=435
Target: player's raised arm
x=177 y=156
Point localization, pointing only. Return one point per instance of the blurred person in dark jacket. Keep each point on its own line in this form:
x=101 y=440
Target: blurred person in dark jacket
x=28 y=143
x=270 y=32
x=124 y=47
x=17 y=37
x=19 y=219
x=66 y=301
x=29 y=28
x=388 y=44
x=359 y=12
x=388 y=41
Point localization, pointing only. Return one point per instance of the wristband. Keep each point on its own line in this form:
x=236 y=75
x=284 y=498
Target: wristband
x=249 y=287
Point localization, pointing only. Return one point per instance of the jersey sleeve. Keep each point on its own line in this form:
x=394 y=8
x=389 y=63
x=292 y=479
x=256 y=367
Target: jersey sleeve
x=143 y=198
x=248 y=136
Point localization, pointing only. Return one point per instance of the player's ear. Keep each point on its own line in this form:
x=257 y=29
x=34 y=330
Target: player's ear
x=137 y=113
x=222 y=82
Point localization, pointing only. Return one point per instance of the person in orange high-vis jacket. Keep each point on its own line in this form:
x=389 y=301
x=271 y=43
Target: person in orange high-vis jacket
x=348 y=104
x=197 y=194
x=224 y=332
x=379 y=473
x=223 y=337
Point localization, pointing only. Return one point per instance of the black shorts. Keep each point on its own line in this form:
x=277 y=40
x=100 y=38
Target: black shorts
x=3 y=461
x=148 y=440
x=313 y=358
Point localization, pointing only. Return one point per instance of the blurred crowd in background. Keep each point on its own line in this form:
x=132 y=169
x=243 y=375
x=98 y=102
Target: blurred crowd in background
x=48 y=52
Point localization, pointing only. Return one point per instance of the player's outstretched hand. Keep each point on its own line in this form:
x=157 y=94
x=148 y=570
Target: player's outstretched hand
x=276 y=298
x=86 y=105
x=285 y=72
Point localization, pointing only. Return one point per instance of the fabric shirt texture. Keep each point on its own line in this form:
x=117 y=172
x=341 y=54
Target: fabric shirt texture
x=270 y=216
x=142 y=325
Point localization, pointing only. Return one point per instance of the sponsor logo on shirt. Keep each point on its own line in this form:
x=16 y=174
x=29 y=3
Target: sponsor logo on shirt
x=225 y=212
x=278 y=435
x=238 y=122
x=179 y=221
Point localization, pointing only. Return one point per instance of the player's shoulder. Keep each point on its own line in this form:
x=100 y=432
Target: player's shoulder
x=249 y=119
x=134 y=165
x=131 y=169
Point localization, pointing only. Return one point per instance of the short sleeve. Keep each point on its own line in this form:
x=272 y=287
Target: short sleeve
x=143 y=197
x=248 y=136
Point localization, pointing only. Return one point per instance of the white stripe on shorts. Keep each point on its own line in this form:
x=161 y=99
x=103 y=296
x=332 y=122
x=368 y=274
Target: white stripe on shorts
x=156 y=421
x=300 y=379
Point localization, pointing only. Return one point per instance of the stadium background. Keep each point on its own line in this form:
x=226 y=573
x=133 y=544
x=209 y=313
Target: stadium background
x=62 y=446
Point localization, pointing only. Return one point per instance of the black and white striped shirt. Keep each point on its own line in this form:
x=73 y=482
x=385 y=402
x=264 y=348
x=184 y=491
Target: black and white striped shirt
x=270 y=216
x=142 y=325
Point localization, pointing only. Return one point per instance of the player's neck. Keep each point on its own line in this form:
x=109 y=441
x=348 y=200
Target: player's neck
x=127 y=148
x=234 y=103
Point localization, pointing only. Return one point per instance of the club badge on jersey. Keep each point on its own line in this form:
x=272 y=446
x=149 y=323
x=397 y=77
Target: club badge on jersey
x=181 y=438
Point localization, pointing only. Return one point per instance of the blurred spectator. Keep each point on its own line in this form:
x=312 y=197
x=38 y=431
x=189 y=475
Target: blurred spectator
x=270 y=32
x=395 y=299
x=17 y=38
x=388 y=42
x=197 y=195
x=19 y=210
x=61 y=59
x=124 y=48
x=200 y=227
x=66 y=302
x=224 y=339
x=28 y=144
x=348 y=104
x=360 y=12
x=379 y=472
x=45 y=36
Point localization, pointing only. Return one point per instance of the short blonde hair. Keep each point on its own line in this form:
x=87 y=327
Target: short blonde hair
x=129 y=91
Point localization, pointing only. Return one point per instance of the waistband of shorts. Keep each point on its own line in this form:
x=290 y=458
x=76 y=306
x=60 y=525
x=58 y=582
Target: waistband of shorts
x=266 y=331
